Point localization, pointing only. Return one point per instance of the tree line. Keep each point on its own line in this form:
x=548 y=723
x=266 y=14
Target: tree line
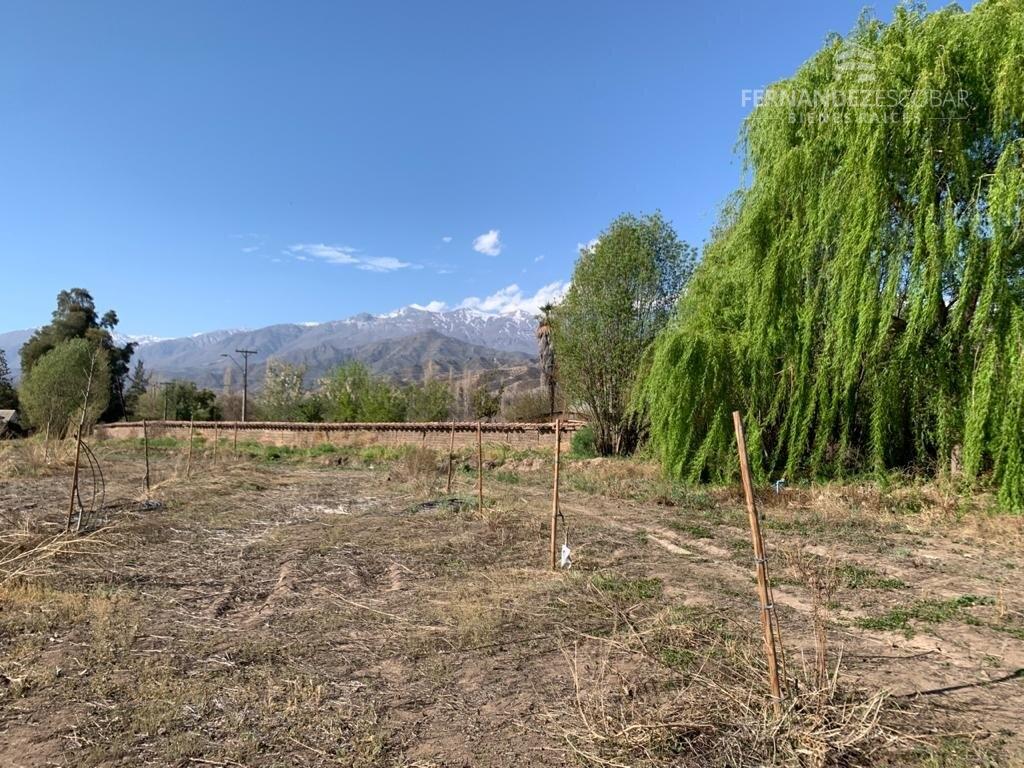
x=57 y=359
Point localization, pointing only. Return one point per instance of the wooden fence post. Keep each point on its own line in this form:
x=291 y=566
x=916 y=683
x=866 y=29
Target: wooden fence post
x=145 y=448
x=451 y=460
x=480 y=466
x=554 y=495
x=191 y=431
x=215 y=430
x=234 y=446
x=767 y=608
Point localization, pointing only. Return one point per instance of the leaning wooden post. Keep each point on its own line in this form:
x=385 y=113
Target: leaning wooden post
x=451 y=460
x=145 y=448
x=554 y=495
x=480 y=466
x=191 y=431
x=767 y=608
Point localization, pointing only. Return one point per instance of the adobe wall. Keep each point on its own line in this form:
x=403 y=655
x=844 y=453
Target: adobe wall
x=302 y=435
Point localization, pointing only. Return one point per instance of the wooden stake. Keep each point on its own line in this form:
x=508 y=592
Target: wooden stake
x=451 y=460
x=554 y=495
x=74 y=481
x=145 y=447
x=191 y=431
x=767 y=609
x=480 y=466
x=78 y=447
x=234 y=446
x=215 y=429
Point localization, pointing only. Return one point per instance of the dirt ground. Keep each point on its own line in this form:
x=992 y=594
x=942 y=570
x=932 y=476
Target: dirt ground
x=330 y=608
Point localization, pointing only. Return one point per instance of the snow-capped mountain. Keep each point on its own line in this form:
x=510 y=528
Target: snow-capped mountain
x=402 y=343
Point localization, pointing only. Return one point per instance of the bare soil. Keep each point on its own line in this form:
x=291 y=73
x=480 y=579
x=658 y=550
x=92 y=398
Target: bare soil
x=342 y=610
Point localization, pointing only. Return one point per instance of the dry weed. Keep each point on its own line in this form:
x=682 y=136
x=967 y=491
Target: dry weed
x=688 y=688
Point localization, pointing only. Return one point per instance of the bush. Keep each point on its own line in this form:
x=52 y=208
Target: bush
x=53 y=392
x=584 y=443
x=525 y=405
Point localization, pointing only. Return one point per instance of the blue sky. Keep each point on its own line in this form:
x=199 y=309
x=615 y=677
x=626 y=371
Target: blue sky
x=202 y=165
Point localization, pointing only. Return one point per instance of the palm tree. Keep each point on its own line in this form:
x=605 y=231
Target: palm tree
x=547 y=355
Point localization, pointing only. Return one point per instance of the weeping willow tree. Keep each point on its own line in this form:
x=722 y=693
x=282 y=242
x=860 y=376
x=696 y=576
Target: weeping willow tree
x=862 y=297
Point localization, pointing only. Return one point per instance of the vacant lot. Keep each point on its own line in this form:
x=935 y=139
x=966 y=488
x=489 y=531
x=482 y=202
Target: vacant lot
x=337 y=608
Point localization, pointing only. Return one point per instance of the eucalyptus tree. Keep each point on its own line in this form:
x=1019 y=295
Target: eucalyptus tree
x=76 y=317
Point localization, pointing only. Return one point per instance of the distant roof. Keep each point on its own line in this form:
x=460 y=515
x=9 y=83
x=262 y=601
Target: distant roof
x=8 y=415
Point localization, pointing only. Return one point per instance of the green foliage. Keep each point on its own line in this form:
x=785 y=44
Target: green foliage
x=282 y=397
x=862 y=301
x=429 y=401
x=527 y=405
x=925 y=611
x=76 y=318
x=181 y=401
x=485 y=404
x=54 y=391
x=622 y=294
x=353 y=394
x=8 y=393
x=630 y=589
x=139 y=382
x=311 y=408
x=853 y=576
x=584 y=443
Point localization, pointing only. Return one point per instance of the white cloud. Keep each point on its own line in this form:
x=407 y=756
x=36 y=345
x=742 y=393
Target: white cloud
x=344 y=254
x=589 y=245
x=433 y=306
x=250 y=249
x=381 y=264
x=538 y=258
x=446 y=239
x=489 y=243
x=512 y=299
x=334 y=254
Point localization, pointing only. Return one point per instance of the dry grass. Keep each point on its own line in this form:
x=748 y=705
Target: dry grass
x=686 y=688
x=282 y=610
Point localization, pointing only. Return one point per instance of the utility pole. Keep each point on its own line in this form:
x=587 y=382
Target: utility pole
x=245 y=376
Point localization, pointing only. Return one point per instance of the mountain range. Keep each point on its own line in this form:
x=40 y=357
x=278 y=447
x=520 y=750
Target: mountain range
x=403 y=345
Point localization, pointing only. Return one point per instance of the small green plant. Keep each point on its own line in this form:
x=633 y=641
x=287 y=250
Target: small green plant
x=633 y=589
x=853 y=576
x=677 y=658
x=896 y=620
x=925 y=611
x=696 y=530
